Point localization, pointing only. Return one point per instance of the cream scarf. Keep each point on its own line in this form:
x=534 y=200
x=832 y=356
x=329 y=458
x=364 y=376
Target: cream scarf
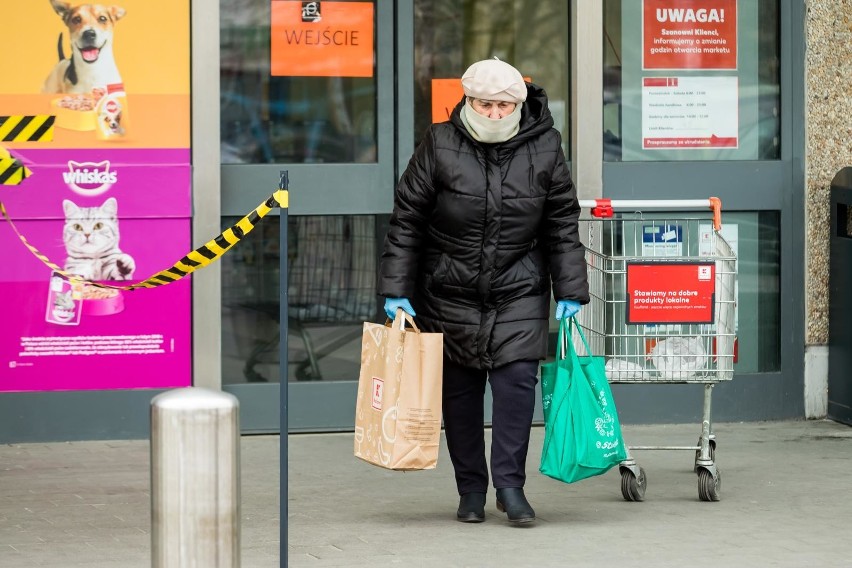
x=490 y=130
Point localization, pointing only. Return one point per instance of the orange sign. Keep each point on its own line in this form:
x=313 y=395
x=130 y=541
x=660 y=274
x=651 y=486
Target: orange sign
x=446 y=94
x=321 y=39
x=689 y=34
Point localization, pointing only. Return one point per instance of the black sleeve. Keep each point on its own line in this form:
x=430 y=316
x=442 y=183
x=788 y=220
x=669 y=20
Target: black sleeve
x=413 y=202
x=562 y=236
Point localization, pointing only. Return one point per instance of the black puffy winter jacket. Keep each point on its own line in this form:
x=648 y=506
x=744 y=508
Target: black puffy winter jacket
x=477 y=233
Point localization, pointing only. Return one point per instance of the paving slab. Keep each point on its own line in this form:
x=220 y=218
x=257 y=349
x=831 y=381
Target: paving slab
x=786 y=498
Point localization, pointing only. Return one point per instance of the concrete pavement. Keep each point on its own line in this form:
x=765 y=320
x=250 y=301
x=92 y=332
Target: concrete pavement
x=786 y=498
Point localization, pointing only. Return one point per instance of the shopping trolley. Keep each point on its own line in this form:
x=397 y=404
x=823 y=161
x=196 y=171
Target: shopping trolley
x=663 y=309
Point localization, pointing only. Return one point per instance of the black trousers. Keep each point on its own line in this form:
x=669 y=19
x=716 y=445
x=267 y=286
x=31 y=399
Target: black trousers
x=513 y=394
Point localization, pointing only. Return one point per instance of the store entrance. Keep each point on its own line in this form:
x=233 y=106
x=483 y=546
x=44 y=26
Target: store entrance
x=344 y=141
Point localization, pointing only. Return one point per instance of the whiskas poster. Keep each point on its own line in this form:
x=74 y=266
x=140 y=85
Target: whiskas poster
x=109 y=197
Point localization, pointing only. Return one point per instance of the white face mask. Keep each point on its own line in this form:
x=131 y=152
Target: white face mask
x=490 y=130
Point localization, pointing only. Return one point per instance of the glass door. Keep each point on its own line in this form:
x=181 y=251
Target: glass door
x=693 y=109
x=450 y=35
x=306 y=87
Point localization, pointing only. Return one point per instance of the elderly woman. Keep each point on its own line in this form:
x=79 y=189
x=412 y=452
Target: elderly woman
x=485 y=220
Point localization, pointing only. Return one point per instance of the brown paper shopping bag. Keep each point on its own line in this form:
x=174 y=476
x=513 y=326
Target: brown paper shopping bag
x=398 y=412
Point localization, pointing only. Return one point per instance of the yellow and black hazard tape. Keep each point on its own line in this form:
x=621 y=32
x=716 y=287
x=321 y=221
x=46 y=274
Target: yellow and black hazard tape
x=199 y=258
x=24 y=128
x=12 y=170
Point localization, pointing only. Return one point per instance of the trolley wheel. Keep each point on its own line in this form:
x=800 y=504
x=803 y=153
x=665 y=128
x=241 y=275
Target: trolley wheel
x=709 y=486
x=633 y=489
x=698 y=454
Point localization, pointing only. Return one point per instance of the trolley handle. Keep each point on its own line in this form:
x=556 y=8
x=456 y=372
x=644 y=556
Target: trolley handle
x=603 y=208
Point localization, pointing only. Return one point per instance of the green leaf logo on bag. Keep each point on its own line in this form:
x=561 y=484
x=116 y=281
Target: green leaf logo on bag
x=582 y=432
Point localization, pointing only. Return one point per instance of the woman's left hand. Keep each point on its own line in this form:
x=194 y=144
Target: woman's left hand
x=567 y=308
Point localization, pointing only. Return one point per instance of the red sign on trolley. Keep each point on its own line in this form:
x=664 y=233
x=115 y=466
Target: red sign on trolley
x=670 y=292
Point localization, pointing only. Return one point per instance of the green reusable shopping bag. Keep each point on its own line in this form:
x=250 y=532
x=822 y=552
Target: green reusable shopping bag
x=582 y=433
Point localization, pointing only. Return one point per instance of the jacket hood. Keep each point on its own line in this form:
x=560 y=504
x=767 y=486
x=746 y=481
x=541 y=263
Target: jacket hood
x=535 y=117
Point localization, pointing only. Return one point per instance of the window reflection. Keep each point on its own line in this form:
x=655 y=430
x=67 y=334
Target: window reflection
x=759 y=276
x=332 y=292
x=449 y=35
x=266 y=119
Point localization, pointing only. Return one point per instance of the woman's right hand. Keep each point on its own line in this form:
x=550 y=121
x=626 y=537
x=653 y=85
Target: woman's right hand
x=392 y=304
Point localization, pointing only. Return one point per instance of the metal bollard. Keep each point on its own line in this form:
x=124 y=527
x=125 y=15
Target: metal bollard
x=195 y=479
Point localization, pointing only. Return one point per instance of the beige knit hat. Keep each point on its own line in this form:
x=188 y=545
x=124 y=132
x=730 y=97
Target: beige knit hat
x=494 y=80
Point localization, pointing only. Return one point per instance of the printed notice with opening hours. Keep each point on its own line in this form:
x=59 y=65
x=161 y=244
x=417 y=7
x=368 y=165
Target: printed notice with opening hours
x=688 y=113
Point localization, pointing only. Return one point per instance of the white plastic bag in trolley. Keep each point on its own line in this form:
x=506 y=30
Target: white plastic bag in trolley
x=620 y=369
x=679 y=357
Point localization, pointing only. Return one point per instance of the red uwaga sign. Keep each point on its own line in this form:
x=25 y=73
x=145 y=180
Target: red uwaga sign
x=689 y=34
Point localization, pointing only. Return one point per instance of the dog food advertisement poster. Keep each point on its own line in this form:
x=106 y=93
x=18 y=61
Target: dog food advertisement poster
x=98 y=113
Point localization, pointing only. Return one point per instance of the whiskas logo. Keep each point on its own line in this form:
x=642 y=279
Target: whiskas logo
x=89 y=178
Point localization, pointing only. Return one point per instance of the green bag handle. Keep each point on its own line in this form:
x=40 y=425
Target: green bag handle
x=564 y=344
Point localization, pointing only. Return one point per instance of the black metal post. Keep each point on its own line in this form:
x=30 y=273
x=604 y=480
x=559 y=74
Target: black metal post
x=283 y=378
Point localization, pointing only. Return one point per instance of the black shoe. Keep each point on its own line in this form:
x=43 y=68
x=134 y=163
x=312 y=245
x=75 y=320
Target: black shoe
x=471 y=508
x=512 y=502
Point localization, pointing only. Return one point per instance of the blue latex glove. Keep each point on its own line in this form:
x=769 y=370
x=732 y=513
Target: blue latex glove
x=391 y=305
x=567 y=308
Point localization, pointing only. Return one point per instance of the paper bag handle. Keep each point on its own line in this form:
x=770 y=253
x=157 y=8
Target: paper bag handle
x=401 y=317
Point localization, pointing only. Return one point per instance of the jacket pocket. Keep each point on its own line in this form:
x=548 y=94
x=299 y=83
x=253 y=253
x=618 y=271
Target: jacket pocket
x=436 y=276
x=529 y=264
x=536 y=277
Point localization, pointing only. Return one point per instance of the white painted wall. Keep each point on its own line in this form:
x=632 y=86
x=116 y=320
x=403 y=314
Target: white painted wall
x=816 y=381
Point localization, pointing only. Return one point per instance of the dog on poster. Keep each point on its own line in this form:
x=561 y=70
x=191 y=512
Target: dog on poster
x=91 y=29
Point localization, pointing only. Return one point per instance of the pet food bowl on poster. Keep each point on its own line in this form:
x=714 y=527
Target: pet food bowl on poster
x=102 y=301
x=74 y=112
